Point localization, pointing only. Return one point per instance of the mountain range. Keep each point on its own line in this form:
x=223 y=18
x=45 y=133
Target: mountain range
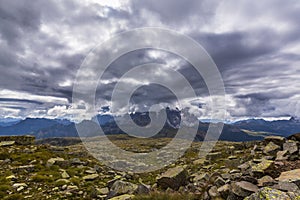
x=246 y=130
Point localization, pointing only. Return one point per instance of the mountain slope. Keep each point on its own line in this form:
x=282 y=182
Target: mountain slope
x=280 y=127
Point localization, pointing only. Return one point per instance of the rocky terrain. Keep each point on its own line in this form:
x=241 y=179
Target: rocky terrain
x=268 y=169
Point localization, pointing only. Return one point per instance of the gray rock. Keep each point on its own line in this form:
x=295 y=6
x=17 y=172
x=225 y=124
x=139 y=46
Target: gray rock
x=286 y=187
x=268 y=194
x=219 y=182
x=201 y=177
x=266 y=181
x=213 y=192
x=262 y=168
x=275 y=139
x=122 y=187
x=214 y=156
x=282 y=155
x=90 y=177
x=271 y=149
x=290 y=176
x=103 y=191
x=224 y=190
x=65 y=175
x=123 y=197
x=52 y=161
x=143 y=189
x=7 y=143
x=290 y=146
x=243 y=188
x=173 y=178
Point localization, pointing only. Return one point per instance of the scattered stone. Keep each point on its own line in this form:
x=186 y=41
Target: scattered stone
x=199 y=162
x=62 y=181
x=213 y=192
x=291 y=147
x=243 y=167
x=122 y=187
x=123 y=197
x=201 y=177
x=143 y=189
x=72 y=188
x=282 y=155
x=23 y=168
x=243 y=188
x=7 y=143
x=224 y=190
x=18 y=185
x=103 y=190
x=12 y=178
x=19 y=189
x=290 y=176
x=286 y=187
x=90 y=177
x=266 y=181
x=268 y=194
x=219 y=182
x=89 y=171
x=262 y=168
x=275 y=139
x=65 y=175
x=173 y=178
x=77 y=161
x=52 y=161
x=271 y=149
x=295 y=137
x=214 y=156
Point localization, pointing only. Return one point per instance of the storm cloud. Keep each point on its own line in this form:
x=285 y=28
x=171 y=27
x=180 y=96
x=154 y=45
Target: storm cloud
x=256 y=47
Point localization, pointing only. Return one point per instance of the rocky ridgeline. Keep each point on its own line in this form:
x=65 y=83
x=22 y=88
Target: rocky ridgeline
x=21 y=140
x=269 y=169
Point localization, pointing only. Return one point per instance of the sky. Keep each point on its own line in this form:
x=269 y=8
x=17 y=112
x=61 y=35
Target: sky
x=255 y=45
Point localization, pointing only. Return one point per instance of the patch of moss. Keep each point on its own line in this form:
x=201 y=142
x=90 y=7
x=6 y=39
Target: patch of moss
x=14 y=197
x=41 y=179
x=166 y=196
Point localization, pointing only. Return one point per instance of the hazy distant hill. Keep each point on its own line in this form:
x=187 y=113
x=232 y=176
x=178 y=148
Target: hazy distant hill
x=49 y=128
x=279 y=127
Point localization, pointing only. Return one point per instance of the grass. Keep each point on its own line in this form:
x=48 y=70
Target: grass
x=166 y=196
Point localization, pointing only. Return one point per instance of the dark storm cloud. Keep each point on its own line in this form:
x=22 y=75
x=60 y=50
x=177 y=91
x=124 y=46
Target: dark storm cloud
x=20 y=100
x=177 y=12
x=43 y=44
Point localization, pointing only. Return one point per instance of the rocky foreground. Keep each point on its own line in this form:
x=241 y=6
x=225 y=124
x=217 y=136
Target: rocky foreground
x=269 y=169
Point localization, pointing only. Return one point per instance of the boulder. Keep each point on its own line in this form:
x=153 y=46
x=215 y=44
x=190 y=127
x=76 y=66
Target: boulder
x=266 y=181
x=282 y=155
x=122 y=187
x=224 y=190
x=143 y=189
x=295 y=137
x=52 y=161
x=65 y=175
x=278 y=140
x=271 y=149
x=7 y=143
x=286 y=187
x=291 y=147
x=268 y=194
x=90 y=177
x=262 y=168
x=173 y=178
x=214 y=156
x=290 y=176
x=243 y=188
x=213 y=192
x=104 y=191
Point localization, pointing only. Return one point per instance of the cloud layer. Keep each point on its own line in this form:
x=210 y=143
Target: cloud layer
x=256 y=47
